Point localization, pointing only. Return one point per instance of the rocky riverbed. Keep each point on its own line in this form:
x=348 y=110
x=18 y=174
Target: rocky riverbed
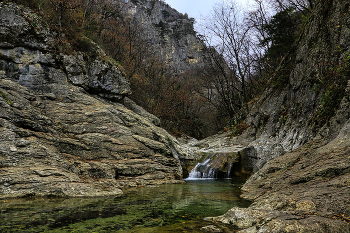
x=305 y=190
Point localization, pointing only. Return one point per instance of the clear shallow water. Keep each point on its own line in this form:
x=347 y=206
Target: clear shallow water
x=167 y=208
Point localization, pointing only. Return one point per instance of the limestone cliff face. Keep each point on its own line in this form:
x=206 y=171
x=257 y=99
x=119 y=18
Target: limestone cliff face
x=170 y=32
x=300 y=134
x=67 y=127
x=303 y=106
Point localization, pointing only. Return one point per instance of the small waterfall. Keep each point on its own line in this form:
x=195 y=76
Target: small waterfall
x=215 y=166
x=201 y=170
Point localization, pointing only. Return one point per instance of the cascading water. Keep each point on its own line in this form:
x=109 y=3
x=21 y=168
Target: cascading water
x=215 y=166
x=201 y=170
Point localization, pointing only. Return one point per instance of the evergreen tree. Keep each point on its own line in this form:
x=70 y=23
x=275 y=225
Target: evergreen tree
x=281 y=32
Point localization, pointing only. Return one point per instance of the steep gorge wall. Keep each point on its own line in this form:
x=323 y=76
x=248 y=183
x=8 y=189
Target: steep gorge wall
x=300 y=133
x=67 y=127
x=304 y=106
x=170 y=32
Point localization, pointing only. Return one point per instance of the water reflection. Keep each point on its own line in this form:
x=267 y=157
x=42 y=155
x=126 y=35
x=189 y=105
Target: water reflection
x=168 y=208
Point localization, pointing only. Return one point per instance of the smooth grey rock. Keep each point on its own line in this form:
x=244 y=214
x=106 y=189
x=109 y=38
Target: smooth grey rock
x=302 y=191
x=223 y=151
x=97 y=76
x=141 y=111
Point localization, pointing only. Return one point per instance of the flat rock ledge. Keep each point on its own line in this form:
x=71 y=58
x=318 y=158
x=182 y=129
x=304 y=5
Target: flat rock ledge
x=86 y=146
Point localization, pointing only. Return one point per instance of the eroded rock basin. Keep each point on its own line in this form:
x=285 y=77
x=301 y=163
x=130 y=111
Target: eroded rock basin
x=167 y=208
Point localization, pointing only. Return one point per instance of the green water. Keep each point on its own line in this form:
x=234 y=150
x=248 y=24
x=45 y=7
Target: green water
x=167 y=208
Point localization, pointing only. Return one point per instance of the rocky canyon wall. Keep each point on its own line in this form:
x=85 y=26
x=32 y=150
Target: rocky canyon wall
x=67 y=127
x=311 y=100
x=171 y=33
x=300 y=136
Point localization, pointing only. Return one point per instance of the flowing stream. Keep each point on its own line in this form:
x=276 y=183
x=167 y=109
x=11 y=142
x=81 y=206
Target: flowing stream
x=214 y=166
x=201 y=170
x=167 y=208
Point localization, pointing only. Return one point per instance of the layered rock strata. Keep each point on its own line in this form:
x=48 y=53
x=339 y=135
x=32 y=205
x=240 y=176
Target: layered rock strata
x=170 y=33
x=224 y=157
x=306 y=190
x=67 y=127
x=301 y=159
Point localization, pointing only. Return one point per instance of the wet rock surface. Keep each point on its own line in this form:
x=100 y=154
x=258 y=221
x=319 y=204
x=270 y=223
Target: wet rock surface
x=220 y=155
x=66 y=126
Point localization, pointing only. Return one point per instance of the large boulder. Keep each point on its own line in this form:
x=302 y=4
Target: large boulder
x=97 y=73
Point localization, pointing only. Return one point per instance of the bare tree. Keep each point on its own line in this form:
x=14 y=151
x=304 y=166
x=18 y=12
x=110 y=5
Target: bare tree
x=300 y=5
x=232 y=58
x=257 y=19
x=63 y=7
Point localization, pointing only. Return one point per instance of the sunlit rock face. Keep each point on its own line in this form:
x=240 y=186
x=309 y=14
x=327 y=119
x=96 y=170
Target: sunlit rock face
x=67 y=127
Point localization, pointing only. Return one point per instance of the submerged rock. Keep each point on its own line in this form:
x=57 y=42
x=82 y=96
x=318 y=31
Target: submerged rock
x=210 y=228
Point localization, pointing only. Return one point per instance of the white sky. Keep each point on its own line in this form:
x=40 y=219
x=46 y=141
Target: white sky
x=197 y=8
